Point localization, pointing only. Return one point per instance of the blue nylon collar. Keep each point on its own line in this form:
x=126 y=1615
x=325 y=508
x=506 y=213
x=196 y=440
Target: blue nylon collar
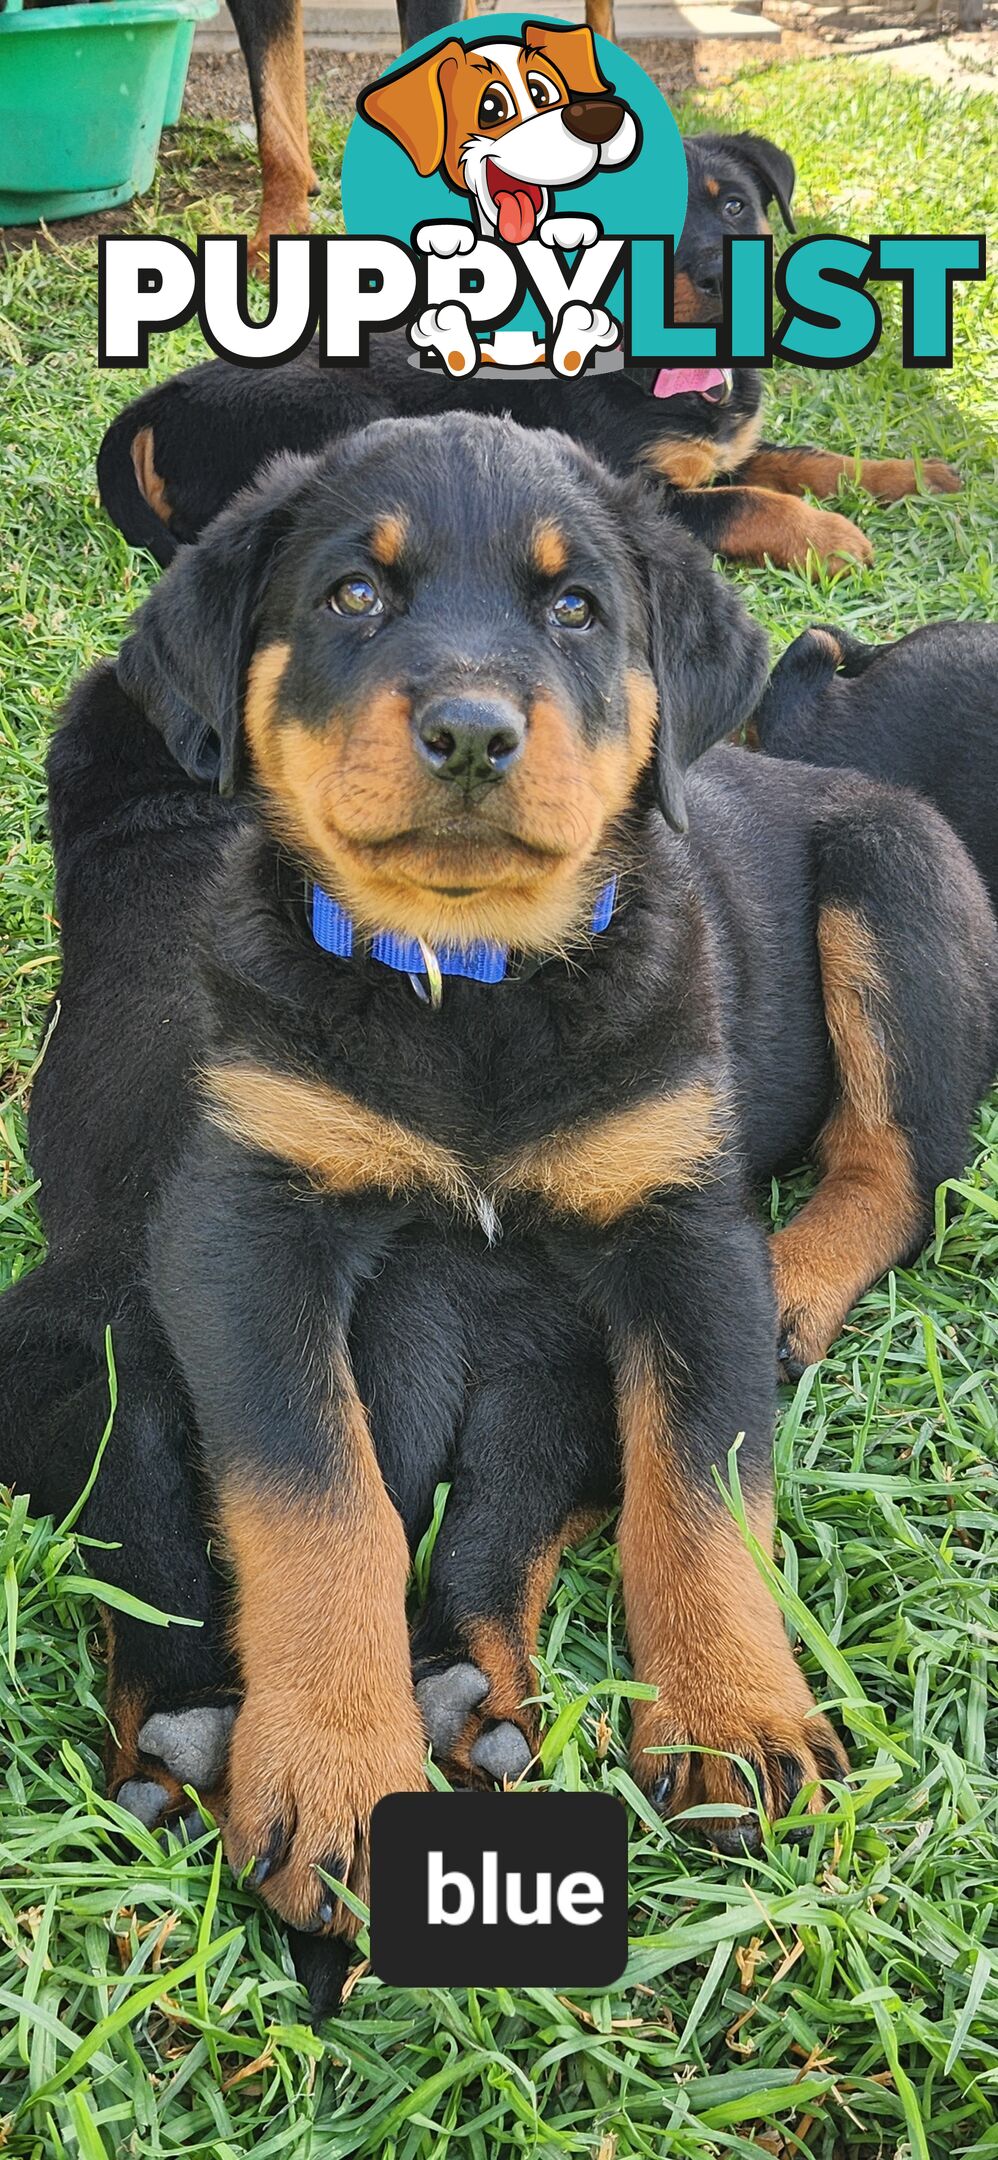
x=333 y=930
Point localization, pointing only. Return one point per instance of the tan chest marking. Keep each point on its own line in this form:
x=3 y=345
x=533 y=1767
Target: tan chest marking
x=605 y=1167
x=694 y=461
x=339 y=1143
x=598 y=1170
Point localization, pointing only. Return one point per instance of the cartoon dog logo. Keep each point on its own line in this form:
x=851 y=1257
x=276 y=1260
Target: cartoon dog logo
x=506 y=121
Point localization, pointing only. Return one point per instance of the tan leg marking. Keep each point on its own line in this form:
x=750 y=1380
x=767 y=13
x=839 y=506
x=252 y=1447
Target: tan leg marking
x=329 y=1723
x=705 y=1631
x=608 y=1165
x=765 y=524
x=866 y=1213
x=504 y=1650
x=288 y=175
x=819 y=471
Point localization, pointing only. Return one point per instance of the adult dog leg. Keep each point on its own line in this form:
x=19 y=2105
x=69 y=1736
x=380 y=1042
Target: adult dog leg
x=272 y=38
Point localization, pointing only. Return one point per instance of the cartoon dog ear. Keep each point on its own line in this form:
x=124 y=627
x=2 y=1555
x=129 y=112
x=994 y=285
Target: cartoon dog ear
x=773 y=169
x=410 y=105
x=185 y=662
x=573 y=53
x=709 y=660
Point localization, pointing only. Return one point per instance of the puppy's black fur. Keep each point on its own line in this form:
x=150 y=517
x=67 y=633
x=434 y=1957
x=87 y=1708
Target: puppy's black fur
x=174 y=458
x=923 y=712
x=458 y=675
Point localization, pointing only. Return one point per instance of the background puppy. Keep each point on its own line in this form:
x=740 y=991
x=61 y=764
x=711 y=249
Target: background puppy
x=923 y=712
x=180 y=452
x=454 y=677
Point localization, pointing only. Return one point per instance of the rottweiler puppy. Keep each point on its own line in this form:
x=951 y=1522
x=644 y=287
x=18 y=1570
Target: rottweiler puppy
x=923 y=711
x=425 y=1021
x=174 y=458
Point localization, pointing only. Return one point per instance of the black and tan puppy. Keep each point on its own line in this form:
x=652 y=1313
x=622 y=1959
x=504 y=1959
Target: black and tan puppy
x=923 y=712
x=174 y=458
x=431 y=1060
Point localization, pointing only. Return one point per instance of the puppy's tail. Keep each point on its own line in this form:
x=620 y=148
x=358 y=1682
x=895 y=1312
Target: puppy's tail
x=782 y=723
x=131 y=489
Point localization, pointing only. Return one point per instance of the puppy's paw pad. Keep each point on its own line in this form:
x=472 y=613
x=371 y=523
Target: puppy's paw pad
x=193 y=1743
x=145 y=1799
x=446 y=1699
x=502 y=1753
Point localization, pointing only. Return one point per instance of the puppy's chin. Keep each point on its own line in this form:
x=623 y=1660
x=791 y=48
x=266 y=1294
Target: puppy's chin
x=501 y=896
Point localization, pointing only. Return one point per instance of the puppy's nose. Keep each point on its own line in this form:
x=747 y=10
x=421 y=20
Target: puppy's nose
x=470 y=739
x=593 y=120
x=708 y=275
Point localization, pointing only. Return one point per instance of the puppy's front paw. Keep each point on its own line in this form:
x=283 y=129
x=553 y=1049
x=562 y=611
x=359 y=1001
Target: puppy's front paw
x=569 y=232
x=829 y=536
x=445 y=239
x=581 y=331
x=301 y=1800
x=447 y=330
x=768 y=1719
x=891 y=479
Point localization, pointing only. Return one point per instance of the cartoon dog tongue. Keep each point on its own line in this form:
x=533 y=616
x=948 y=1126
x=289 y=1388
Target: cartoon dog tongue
x=517 y=204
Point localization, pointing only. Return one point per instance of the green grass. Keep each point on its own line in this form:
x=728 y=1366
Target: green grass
x=834 y=2000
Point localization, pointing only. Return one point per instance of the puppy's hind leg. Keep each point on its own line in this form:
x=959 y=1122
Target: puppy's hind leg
x=537 y=1466
x=908 y=951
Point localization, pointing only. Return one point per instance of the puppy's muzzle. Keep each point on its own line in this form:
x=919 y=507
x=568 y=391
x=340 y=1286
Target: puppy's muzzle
x=470 y=740
x=593 y=120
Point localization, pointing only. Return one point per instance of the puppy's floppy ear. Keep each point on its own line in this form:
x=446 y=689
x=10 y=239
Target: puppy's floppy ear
x=572 y=52
x=708 y=659
x=774 y=170
x=410 y=105
x=185 y=661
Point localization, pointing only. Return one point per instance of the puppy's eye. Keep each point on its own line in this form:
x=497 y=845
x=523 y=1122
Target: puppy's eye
x=356 y=595
x=495 y=107
x=733 y=206
x=542 y=91
x=572 y=611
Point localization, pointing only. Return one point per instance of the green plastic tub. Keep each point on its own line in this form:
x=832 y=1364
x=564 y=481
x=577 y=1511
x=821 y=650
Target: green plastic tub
x=84 y=94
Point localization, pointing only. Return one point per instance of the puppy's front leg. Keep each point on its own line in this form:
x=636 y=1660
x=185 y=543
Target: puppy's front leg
x=255 y=1282
x=692 y=1329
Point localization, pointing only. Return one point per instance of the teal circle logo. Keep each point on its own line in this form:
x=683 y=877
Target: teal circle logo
x=533 y=134
x=384 y=192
